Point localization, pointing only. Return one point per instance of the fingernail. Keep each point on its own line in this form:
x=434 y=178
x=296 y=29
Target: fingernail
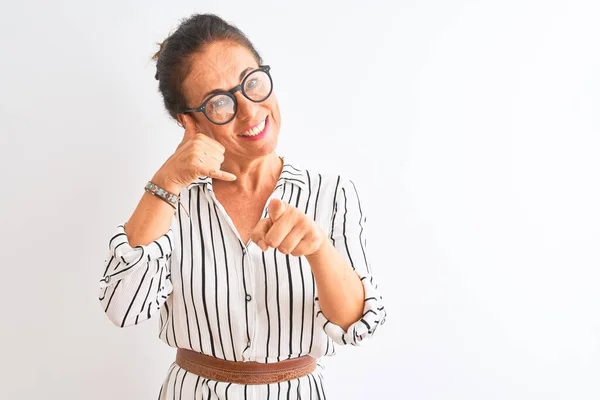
x=261 y=243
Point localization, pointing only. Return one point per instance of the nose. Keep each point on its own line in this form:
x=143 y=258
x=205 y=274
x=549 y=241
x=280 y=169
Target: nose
x=246 y=109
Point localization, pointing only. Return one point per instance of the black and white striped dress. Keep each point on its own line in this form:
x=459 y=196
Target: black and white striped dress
x=216 y=295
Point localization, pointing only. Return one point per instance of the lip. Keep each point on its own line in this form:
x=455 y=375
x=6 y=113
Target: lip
x=253 y=126
x=260 y=135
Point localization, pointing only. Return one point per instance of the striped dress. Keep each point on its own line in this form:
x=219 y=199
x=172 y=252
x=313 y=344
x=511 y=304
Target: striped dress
x=219 y=296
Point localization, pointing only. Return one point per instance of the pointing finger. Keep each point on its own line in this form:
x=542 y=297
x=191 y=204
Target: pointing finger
x=276 y=209
x=259 y=233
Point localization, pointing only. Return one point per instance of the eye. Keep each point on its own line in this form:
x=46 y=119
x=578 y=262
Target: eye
x=217 y=104
x=252 y=83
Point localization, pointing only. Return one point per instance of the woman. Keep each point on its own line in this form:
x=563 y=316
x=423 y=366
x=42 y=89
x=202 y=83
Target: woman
x=265 y=269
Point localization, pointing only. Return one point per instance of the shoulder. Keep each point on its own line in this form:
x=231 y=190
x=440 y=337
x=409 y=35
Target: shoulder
x=326 y=183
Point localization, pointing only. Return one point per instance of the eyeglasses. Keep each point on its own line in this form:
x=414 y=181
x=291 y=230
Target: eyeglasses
x=221 y=107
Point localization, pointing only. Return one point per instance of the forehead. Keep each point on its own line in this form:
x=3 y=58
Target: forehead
x=218 y=66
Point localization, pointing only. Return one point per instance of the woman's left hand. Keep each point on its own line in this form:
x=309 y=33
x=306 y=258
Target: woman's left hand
x=288 y=230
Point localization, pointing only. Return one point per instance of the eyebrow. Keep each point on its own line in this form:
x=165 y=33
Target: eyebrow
x=215 y=91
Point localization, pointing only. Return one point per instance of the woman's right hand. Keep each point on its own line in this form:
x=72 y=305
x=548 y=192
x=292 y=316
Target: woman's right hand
x=197 y=155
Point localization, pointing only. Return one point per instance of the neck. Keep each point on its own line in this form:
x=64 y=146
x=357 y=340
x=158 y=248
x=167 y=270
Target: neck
x=253 y=174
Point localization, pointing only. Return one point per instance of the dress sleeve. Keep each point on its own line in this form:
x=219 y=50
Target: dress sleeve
x=136 y=280
x=348 y=236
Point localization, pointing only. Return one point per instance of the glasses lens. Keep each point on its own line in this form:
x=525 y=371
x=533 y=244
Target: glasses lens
x=257 y=85
x=220 y=109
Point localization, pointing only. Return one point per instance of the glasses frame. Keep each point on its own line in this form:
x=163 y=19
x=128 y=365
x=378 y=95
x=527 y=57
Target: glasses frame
x=231 y=93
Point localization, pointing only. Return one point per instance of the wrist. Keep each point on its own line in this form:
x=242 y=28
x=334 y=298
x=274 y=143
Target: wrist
x=162 y=180
x=321 y=252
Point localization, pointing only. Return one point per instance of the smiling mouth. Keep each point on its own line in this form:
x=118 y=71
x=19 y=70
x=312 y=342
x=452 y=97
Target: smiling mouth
x=257 y=130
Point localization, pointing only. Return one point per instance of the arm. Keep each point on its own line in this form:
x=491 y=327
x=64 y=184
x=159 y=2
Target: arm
x=349 y=305
x=136 y=280
x=341 y=294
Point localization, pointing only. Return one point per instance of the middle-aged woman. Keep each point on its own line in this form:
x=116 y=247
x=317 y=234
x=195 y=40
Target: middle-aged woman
x=255 y=266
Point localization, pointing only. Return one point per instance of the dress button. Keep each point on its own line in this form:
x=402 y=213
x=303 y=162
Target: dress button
x=248 y=297
x=245 y=250
x=107 y=279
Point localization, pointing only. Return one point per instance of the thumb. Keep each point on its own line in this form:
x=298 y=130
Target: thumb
x=260 y=231
x=189 y=125
x=276 y=209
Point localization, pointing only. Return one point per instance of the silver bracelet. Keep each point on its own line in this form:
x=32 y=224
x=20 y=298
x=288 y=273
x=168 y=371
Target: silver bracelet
x=168 y=197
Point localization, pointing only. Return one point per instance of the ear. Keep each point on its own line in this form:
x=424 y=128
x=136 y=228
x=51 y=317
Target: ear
x=180 y=120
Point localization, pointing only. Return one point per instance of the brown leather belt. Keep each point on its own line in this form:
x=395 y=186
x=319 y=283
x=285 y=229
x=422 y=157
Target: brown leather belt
x=247 y=373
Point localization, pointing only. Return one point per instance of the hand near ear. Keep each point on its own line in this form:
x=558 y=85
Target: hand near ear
x=197 y=155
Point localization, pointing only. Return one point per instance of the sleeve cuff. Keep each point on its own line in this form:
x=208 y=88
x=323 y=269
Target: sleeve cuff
x=124 y=260
x=373 y=315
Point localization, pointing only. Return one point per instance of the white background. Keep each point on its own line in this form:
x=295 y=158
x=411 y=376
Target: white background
x=471 y=129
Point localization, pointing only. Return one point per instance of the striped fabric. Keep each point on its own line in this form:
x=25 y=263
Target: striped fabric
x=219 y=296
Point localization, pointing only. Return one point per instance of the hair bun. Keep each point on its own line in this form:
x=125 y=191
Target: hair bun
x=161 y=47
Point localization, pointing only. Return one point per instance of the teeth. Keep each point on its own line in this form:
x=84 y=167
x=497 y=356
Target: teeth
x=256 y=130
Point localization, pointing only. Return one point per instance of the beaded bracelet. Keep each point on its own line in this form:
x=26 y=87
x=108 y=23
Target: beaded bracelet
x=168 y=197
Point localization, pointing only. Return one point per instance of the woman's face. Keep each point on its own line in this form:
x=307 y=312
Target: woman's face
x=223 y=65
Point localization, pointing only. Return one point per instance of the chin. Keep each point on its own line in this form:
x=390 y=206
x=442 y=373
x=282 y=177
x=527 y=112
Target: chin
x=268 y=147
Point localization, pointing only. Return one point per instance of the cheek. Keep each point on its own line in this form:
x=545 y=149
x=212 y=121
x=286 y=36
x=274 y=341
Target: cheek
x=222 y=132
x=273 y=106
x=216 y=132
x=202 y=125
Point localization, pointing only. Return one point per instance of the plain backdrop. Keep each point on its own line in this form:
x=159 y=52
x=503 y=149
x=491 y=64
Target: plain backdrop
x=470 y=127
